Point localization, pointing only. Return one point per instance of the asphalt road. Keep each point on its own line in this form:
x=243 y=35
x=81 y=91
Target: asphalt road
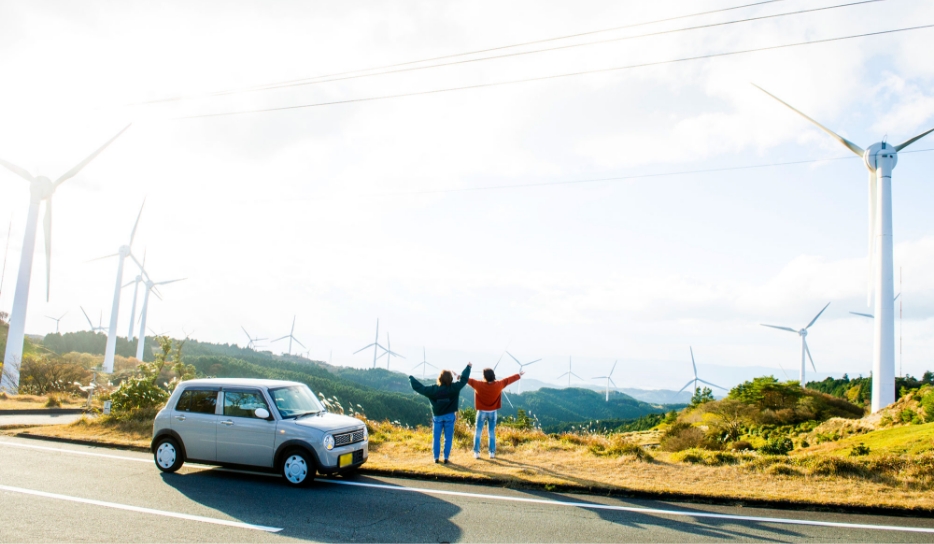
x=61 y=492
x=39 y=419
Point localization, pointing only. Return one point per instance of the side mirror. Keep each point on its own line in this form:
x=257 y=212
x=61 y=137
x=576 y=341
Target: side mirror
x=261 y=413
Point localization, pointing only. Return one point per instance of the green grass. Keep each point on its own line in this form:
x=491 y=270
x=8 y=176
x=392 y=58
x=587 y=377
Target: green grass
x=908 y=439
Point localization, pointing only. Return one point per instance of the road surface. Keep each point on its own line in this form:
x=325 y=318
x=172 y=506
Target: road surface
x=63 y=492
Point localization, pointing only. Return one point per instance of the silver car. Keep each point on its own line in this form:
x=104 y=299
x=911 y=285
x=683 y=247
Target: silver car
x=267 y=424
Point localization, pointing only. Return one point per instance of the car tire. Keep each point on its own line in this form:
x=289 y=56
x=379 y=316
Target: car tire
x=297 y=469
x=167 y=455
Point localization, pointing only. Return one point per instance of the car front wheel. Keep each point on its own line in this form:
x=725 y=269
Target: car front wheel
x=297 y=468
x=168 y=455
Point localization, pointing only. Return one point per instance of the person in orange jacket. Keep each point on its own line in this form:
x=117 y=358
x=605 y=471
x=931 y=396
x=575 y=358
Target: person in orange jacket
x=488 y=398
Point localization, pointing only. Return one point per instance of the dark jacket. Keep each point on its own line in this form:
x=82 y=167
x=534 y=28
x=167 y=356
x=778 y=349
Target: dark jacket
x=443 y=397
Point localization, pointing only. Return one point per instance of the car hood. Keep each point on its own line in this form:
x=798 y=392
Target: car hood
x=329 y=422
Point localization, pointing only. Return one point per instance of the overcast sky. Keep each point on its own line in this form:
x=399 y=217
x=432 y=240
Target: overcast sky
x=342 y=214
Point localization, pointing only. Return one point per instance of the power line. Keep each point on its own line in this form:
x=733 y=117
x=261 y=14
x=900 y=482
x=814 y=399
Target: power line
x=559 y=76
x=443 y=57
x=318 y=81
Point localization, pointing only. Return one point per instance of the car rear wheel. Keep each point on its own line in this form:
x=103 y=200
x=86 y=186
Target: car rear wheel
x=298 y=469
x=168 y=455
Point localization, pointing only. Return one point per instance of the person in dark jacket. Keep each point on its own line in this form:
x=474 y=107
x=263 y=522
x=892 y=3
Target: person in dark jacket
x=444 y=398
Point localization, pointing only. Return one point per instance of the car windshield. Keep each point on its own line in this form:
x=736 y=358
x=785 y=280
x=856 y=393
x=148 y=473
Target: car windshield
x=295 y=401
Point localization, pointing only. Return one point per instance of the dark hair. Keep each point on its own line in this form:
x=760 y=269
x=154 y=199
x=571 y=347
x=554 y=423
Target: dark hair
x=488 y=375
x=445 y=378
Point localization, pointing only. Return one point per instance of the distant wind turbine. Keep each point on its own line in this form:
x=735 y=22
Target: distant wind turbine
x=424 y=364
x=252 y=341
x=697 y=380
x=521 y=369
x=569 y=373
x=609 y=380
x=150 y=287
x=41 y=189
x=57 y=320
x=388 y=352
x=505 y=396
x=880 y=158
x=135 y=283
x=375 y=345
x=99 y=327
x=290 y=336
x=803 y=333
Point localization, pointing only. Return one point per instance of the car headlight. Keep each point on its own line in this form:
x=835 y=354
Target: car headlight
x=366 y=433
x=329 y=442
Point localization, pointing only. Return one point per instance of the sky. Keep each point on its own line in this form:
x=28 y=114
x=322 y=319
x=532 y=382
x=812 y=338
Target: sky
x=469 y=221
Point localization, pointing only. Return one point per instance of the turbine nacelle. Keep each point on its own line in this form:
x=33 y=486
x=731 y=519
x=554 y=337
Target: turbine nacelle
x=878 y=152
x=41 y=188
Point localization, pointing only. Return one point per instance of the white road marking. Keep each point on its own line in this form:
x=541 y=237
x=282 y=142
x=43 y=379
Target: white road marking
x=637 y=510
x=140 y=509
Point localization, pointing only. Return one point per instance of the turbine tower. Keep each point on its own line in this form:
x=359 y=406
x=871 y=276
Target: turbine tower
x=125 y=251
x=880 y=159
x=41 y=189
x=375 y=345
x=609 y=379
x=135 y=283
x=424 y=364
x=521 y=368
x=697 y=380
x=569 y=373
x=290 y=336
x=57 y=320
x=388 y=353
x=252 y=341
x=150 y=288
x=803 y=333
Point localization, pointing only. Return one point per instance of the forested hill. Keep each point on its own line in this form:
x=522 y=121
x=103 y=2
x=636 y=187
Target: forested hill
x=555 y=408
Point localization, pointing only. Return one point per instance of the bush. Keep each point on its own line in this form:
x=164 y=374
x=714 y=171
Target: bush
x=836 y=466
x=927 y=402
x=777 y=446
x=859 y=449
x=54 y=402
x=140 y=397
x=617 y=445
x=41 y=374
x=781 y=469
x=741 y=445
x=683 y=436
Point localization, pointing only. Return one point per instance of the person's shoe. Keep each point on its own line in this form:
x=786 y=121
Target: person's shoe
x=445 y=461
x=492 y=455
x=437 y=461
x=476 y=455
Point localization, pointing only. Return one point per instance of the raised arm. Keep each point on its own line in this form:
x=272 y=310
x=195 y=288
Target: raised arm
x=511 y=379
x=417 y=386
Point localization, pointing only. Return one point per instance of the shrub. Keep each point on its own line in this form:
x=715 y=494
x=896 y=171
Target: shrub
x=54 y=402
x=617 y=446
x=741 y=445
x=693 y=456
x=927 y=403
x=42 y=374
x=682 y=436
x=835 y=466
x=777 y=446
x=859 y=449
x=140 y=397
x=781 y=469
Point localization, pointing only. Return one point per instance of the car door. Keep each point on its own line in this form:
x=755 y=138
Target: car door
x=195 y=420
x=243 y=438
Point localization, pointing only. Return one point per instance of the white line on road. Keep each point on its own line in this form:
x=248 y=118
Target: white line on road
x=76 y=452
x=140 y=509
x=638 y=510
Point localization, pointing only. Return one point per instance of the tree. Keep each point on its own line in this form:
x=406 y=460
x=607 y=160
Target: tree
x=729 y=417
x=701 y=396
x=768 y=393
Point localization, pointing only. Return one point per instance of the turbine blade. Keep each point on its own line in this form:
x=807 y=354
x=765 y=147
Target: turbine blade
x=246 y=333
x=685 y=386
x=104 y=257
x=514 y=358
x=17 y=170
x=47 y=231
x=848 y=144
x=910 y=141
x=713 y=384
x=129 y=283
x=614 y=367
x=870 y=316
x=133 y=232
x=612 y=382
x=692 y=360
x=281 y=338
x=297 y=342
x=873 y=184
x=69 y=174
x=780 y=328
x=157 y=294
x=816 y=316
x=896 y=297
x=363 y=348
x=532 y=363
x=505 y=396
x=86 y=317
x=599 y=377
x=808 y=351
x=431 y=365
x=394 y=354
x=170 y=281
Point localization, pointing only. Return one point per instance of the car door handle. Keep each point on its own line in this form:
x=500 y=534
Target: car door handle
x=228 y=422
x=180 y=418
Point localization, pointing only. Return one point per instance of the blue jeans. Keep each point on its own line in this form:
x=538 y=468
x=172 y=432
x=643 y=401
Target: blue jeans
x=484 y=417
x=443 y=424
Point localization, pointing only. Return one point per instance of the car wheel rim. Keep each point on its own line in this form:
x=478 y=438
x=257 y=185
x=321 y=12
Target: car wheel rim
x=165 y=455
x=296 y=469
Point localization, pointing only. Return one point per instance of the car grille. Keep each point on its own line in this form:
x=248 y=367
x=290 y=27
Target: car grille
x=348 y=438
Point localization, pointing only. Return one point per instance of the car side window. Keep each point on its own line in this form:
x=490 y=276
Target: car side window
x=201 y=402
x=243 y=403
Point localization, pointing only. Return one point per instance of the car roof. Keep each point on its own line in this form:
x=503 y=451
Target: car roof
x=238 y=382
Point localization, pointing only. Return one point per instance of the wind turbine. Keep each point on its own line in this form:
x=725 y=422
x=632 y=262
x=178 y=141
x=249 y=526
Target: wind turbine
x=290 y=336
x=609 y=379
x=697 y=380
x=121 y=255
x=803 y=333
x=57 y=320
x=41 y=189
x=424 y=364
x=880 y=159
x=521 y=369
x=252 y=341
x=94 y=329
x=569 y=373
x=388 y=352
x=135 y=282
x=150 y=288
x=375 y=345
x=505 y=396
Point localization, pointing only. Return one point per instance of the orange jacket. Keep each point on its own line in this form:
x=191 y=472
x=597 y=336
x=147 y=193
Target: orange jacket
x=488 y=395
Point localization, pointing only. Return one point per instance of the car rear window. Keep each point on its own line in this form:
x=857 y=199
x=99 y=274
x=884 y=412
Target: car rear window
x=198 y=401
x=243 y=403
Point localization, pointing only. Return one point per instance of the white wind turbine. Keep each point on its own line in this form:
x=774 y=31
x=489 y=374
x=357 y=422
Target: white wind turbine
x=99 y=327
x=388 y=353
x=135 y=283
x=803 y=333
x=57 y=320
x=521 y=369
x=424 y=364
x=375 y=345
x=870 y=316
x=290 y=336
x=880 y=159
x=150 y=287
x=697 y=380
x=252 y=341
x=609 y=380
x=505 y=396
x=41 y=189
x=125 y=251
x=569 y=373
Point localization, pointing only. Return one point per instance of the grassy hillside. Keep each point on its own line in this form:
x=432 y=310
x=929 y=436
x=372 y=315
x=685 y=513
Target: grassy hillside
x=555 y=408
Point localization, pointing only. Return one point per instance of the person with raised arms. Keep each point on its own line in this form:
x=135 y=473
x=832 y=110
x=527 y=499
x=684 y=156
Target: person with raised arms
x=488 y=398
x=444 y=398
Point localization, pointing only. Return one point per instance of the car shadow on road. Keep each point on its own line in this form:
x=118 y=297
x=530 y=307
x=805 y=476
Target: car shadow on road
x=322 y=511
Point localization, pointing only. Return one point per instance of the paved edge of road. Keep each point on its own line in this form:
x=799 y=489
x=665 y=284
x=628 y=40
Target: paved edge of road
x=578 y=489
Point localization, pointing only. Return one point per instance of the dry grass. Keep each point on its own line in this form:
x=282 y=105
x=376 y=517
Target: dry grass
x=104 y=430
x=38 y=402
